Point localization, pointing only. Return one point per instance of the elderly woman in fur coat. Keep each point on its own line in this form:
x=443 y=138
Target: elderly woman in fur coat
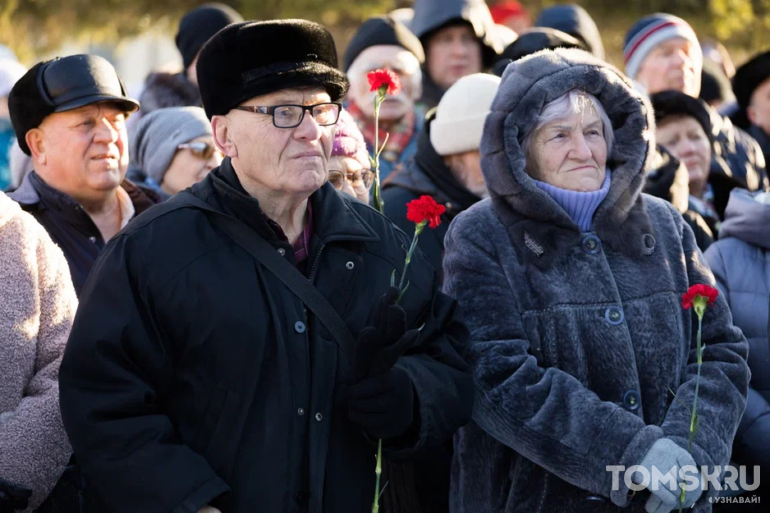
x=571 y=281
x=37 y=307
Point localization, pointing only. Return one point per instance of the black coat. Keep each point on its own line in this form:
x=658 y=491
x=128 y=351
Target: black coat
x=194 y=376
x=426 y=174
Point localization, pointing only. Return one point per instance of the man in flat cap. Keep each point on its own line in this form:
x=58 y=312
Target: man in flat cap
x=240 y=348
x=69 y=115
x=382 y=42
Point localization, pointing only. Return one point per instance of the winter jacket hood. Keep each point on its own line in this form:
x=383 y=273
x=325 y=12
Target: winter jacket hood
x=747 y=219
x=431 y=15
x=575 y=21
x=527 y=85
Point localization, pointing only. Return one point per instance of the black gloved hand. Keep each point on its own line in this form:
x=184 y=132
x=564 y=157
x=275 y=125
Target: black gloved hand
x=13 y=497
x=381 y=345
x=382 y=404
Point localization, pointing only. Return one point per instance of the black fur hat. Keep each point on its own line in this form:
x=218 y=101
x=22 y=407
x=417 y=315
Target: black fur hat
x=250 y=59
x=676 y=103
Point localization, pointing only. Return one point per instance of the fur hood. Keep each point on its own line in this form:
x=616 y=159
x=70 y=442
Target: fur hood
x=527 y=85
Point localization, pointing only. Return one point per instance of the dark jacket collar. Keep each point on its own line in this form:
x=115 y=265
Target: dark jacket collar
x=427 y=174
x=334 y=217
x=33 y=190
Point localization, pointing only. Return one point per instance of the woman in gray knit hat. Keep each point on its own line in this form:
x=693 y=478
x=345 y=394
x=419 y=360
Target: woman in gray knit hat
x=172 y=149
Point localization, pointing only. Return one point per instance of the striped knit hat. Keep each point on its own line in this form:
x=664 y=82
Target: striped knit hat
x=648 y=33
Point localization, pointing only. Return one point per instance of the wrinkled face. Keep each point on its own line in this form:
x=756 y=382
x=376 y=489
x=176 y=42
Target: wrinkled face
x=396 y=59
x=685 y=139
x=291 y=161
x=571 y=153
x=190 y=165
x=82 y=152
x=453 y=53
x=672 y=65
x=759 y=109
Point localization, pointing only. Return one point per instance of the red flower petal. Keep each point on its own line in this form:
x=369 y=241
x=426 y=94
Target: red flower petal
x=425 y=209
x=384 y=77
x=706 y=291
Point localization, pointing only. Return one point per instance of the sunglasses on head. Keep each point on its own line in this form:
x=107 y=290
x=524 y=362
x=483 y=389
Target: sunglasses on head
x=200 y=150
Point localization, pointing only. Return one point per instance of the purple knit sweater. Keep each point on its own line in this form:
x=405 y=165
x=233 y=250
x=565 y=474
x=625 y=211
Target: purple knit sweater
x=580 y=206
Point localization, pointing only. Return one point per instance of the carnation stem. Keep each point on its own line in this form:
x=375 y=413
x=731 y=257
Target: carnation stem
x=377 y=193
x=417 y=231
x=693 y=413
x=378 y=473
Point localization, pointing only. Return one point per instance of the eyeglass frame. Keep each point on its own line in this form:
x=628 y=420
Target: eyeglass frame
x=189 y=146
x=345 y=178
x=270 y=111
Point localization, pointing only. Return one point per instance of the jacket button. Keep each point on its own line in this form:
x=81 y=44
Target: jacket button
x=92 y=239
x=281 y=251
x=631 y=400
x=299 y=327
x=649 y=244
x=301 y=411
x=592 y=244
x=614 y=316
x=319 y=417
x=302 y=497
x=349 y=266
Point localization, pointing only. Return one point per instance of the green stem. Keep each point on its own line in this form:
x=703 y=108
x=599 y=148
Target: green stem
x=694 y=414
x=417 y=231
x=377 y=193
x=378 y=473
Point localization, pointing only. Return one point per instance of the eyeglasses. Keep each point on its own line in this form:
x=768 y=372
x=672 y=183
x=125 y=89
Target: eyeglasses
x=290 y=116
x=360 y=180
x=201 y=150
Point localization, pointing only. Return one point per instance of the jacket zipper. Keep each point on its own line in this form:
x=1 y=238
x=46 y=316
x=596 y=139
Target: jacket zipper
x=315 y=262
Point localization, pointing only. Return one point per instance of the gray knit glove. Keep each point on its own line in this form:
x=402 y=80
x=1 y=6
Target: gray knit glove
x=668 y=458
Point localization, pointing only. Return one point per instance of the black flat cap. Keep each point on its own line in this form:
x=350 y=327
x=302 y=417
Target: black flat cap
x=382 y=30
x=250 y=59
x=60 y=85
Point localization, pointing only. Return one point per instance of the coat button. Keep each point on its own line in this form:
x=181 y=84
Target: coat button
x=592 y=244
x=649 y=244
x=281 y=251
x=302 y=497
x=299 y=327
x=301 y=412
x=614 y=316
x=92 y=239
x=631 y=400
x=349 y=266
x=319 y=417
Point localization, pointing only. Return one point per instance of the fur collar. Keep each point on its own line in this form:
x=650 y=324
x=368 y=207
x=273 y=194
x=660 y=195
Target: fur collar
x=529 y=214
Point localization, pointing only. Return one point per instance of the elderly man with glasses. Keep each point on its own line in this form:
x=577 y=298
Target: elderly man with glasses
x=240 y=349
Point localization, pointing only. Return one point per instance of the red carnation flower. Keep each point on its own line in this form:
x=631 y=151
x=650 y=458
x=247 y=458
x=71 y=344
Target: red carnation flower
x=384 y=80
x=704 y=291
x=425 y=210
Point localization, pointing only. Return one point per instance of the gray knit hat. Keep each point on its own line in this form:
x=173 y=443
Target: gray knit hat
x=154 y=140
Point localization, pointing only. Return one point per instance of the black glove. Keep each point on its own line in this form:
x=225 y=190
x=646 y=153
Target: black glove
x=381 y=345
x=13 y=497
x=382 y=404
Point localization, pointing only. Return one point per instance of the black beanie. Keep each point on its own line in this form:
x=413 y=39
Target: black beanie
x=676 y=103
x=533 y=40
x=199 y=25
x=302 y=53
x=381 y=30
x=748 y=77
x=715 y=86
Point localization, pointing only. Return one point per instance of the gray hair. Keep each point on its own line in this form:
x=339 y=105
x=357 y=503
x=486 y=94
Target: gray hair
x=571 y=102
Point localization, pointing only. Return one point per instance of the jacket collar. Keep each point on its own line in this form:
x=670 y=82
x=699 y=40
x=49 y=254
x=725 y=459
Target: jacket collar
x=33 y=190
x=334 y=218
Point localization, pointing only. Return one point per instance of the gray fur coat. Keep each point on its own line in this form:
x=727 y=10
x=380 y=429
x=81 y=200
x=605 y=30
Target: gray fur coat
x=577 y=343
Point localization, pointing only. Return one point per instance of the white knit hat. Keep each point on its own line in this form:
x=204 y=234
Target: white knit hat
x=461 y=113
